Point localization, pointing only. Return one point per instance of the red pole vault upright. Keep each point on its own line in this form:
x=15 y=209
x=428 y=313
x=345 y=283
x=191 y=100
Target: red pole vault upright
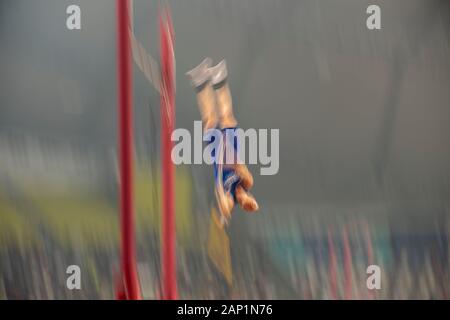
x=127 y=44
x=129 y=282
x=167 y=88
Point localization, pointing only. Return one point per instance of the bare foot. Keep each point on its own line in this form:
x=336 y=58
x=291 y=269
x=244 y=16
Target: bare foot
x=246 y=200
x=206 y=102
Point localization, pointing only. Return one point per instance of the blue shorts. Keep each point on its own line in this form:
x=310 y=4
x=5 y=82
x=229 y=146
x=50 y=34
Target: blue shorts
x=230 y=179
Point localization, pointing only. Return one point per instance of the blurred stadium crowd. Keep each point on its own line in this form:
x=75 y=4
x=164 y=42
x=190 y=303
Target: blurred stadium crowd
x=310 y=253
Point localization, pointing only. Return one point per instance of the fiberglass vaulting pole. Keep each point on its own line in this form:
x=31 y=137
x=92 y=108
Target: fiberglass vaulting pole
x=129 y=283
x=167 y=107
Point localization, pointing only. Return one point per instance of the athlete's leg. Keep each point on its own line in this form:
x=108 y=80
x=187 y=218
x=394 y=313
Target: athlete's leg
x=219 y=75
x=219 y=79
x=200 y=80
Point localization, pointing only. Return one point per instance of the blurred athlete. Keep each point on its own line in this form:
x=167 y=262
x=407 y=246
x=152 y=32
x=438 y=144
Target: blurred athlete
x=232 y=181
